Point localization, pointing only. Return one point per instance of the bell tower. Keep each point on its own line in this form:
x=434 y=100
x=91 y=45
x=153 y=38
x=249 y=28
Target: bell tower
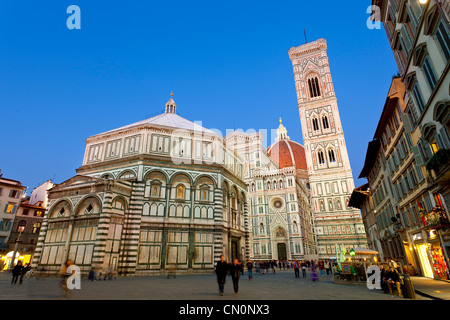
x=330 y=174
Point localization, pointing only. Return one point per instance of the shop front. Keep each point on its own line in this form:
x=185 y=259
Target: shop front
x=430 y=254
x=6 y=259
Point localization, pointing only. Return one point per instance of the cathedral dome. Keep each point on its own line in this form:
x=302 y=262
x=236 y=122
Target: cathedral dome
x=287 y=153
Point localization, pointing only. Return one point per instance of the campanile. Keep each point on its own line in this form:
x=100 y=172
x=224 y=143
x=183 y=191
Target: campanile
x=337 y=226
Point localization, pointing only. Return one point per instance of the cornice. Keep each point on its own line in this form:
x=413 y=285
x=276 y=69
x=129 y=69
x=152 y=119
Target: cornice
x=308 y=48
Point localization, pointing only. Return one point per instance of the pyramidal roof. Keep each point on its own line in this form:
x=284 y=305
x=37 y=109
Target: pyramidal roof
x=169 y=119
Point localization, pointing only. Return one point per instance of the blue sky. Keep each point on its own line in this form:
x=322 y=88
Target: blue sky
x=226 y=62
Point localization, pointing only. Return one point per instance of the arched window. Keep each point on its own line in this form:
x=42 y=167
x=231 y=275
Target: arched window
x=155 y=189
x=325 y=122
x=204 y=193
x=314 y=88
x=180 y=192
x=268 y=185
x=320 y=157
x=315 y=124
x=331 y=155
x=21 y=226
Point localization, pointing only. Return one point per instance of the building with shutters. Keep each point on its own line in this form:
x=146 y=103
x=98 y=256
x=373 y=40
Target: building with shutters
x=419 y=35
x=159 y=195
x=11 y=193
x=28 y=221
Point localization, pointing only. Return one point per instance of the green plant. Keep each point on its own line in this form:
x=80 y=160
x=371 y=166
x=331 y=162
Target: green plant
x=439 y=160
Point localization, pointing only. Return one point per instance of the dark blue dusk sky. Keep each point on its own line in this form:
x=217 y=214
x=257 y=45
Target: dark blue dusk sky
x=226 y=62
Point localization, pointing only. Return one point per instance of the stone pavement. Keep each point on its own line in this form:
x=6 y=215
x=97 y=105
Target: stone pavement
x=279 y=286
x=433 y=289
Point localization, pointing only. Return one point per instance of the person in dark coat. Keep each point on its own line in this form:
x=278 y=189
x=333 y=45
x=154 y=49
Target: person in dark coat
x=17 y=272
x=221 y=272
x=235 y=270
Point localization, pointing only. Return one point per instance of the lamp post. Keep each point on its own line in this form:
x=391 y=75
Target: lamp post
x=13 y=258
x=438 y=5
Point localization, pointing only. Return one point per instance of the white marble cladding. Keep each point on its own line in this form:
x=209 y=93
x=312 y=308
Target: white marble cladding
x=187 y=147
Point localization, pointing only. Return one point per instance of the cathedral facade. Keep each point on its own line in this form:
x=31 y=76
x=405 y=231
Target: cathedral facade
x=337 y=226
x=280 y=217
x=163 y=193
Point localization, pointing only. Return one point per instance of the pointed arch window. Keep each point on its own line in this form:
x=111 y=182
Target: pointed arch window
x=320 y=157
x=325 y=122
x=314 y=88
x=331 y=155
x=315 y=124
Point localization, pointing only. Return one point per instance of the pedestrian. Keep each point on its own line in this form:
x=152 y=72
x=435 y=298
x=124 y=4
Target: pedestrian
x=321 y=267
x=383 y=281
x=17 y=272
x=91 y=275
x=221 y=272
x=235 y=271
x=250 y=269
x=65 y=276
x=303 y=265
x=308 y=263
x=258 y=267
x=296 y=266
x=313 y=272
x=328 y=267
x=274 y=266
x=25 y=269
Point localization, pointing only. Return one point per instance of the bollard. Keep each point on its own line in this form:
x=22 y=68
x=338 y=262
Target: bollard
x=407 y=287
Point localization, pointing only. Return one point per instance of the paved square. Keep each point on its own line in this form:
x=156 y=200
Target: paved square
x=279 y=286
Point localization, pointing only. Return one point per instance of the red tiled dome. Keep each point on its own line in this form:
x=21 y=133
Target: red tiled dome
x=288 y=153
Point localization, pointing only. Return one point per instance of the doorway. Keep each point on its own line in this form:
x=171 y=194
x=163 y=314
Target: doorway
x=281 y=249
x=234 y=250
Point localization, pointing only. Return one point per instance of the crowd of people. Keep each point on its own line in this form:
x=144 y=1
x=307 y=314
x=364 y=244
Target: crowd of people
x=236 y=269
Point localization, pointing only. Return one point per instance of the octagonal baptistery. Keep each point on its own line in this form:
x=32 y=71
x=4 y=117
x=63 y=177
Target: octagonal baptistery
x=160 y=195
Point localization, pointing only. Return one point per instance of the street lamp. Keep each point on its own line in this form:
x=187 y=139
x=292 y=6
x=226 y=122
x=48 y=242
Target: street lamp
x=438 y=5
x=13 y=258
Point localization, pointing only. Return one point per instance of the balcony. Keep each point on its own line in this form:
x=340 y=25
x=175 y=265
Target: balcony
x=437 y=218
x=438 y=166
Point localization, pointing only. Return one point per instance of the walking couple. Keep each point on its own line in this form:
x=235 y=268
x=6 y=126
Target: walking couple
x=223 y=268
